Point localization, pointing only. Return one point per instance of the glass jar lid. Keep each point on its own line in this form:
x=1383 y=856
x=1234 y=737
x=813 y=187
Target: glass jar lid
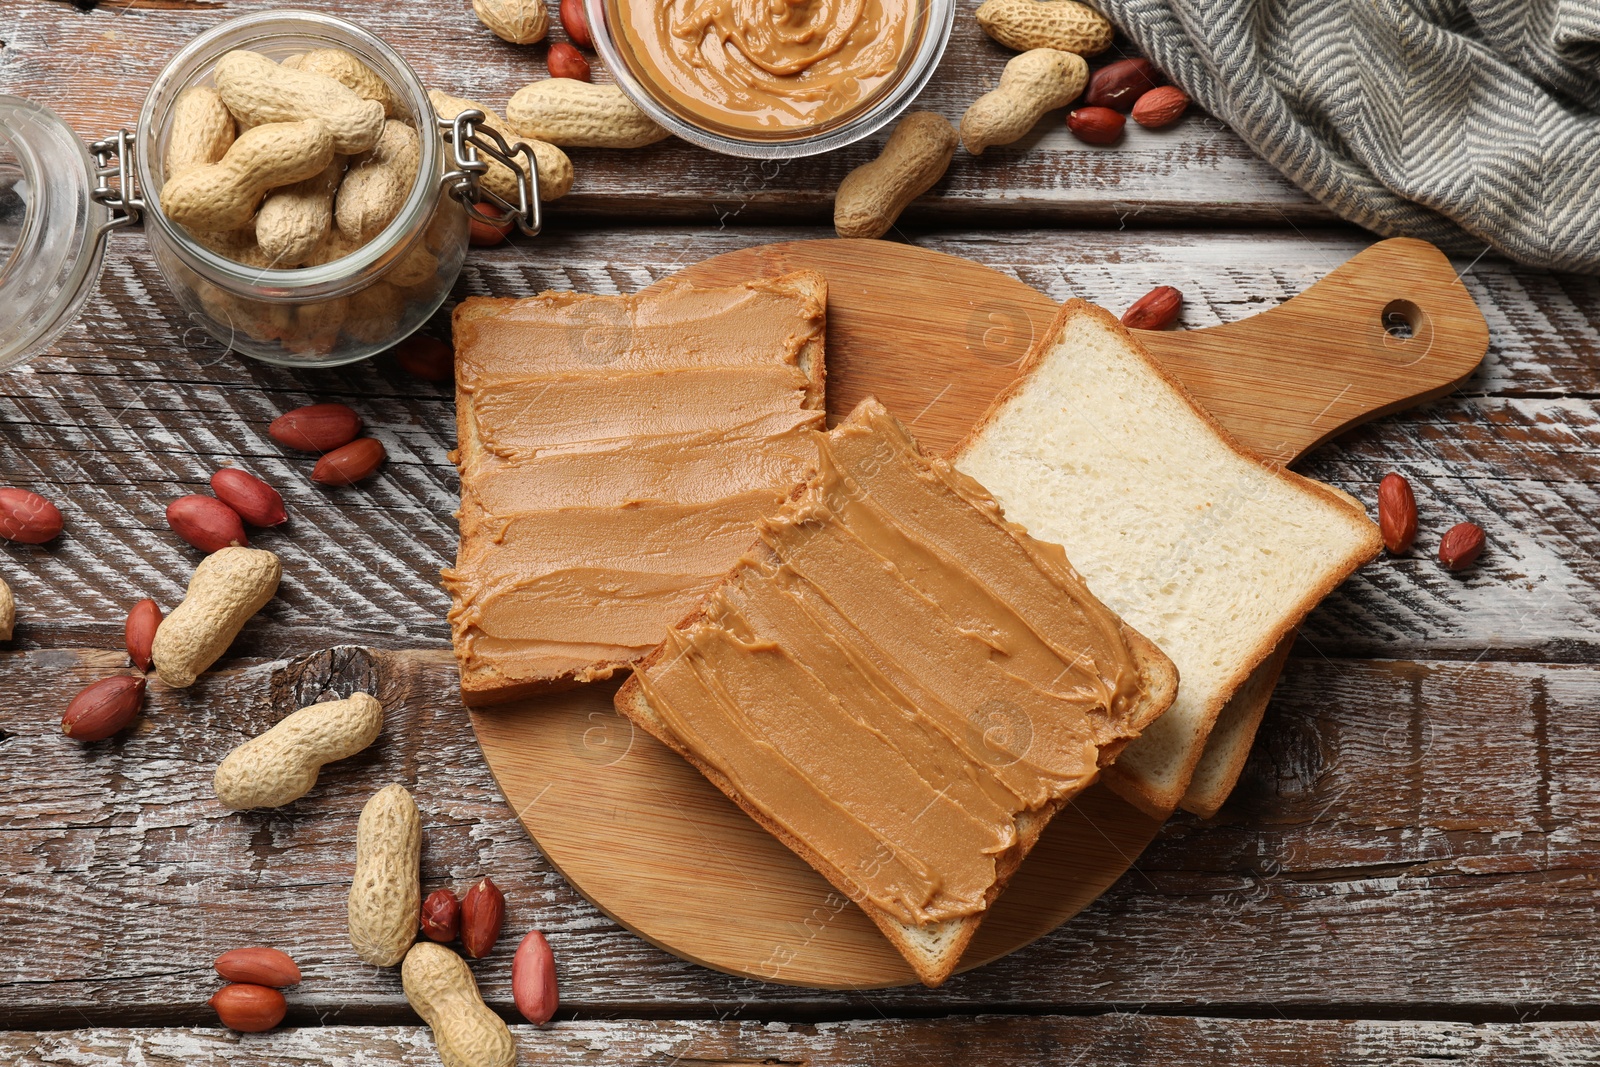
x=50 y=228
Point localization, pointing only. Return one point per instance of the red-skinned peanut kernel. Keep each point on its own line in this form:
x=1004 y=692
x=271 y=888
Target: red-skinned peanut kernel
x=566 y=61
x=441 y=916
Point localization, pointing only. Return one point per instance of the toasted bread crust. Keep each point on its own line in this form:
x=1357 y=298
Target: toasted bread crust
x=1157 y=799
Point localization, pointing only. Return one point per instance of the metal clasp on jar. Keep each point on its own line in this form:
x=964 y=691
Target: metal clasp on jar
x=121 y=198
x=467 y=137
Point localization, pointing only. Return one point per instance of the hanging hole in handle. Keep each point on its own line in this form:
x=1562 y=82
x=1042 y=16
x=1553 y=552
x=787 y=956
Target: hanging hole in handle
x=1407 y=333
x=1401 y=320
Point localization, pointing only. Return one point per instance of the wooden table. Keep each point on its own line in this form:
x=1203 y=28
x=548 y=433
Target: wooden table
x=1407 y=870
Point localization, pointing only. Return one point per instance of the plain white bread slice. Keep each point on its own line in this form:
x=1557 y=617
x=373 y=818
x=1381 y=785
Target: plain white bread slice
x=1200 y=546
x=1228 y=746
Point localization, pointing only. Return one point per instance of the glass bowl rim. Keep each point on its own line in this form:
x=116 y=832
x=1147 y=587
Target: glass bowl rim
x=940 y=15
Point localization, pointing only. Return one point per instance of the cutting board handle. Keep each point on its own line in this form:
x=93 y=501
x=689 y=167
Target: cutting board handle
x=1391 y=327
x=1281 y=382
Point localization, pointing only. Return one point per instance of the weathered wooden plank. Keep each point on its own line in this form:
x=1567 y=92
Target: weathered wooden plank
x=1417 y=836
x=94 y=67
x=133 y=409
x=1121 y=1039
x=1523 y=469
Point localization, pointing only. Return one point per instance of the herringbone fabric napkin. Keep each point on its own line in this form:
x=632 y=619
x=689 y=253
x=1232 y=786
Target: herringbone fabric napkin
x=1470 y=123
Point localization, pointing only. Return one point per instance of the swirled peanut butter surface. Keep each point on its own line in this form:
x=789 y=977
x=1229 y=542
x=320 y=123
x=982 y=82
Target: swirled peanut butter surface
x=895 y=675
x=615 y=455
x=767 y=66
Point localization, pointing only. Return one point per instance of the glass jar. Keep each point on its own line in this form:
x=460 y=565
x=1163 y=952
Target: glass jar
x=58 y=201
x=930 y=22
x=50 y=228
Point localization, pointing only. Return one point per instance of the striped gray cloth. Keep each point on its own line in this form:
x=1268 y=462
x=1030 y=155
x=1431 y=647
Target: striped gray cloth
x=1469 y=123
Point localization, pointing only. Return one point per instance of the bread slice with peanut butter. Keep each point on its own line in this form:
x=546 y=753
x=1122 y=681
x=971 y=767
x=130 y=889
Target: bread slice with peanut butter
x=901 y=686
x=615 y=452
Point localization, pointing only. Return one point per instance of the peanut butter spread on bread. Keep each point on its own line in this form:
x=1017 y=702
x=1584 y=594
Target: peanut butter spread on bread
x=615 y=454
x=894 y=674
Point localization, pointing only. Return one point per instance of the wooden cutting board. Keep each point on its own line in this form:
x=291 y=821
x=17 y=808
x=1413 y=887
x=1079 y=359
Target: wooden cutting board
x=656 y=847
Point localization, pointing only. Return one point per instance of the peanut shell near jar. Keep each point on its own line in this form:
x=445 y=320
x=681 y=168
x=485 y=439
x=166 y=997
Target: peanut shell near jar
x=574 y=114
x=516 y=21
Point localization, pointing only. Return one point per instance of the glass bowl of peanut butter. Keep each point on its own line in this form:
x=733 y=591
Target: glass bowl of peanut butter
x=771 y=79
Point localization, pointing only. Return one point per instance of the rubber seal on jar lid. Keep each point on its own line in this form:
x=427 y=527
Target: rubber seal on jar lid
x=50 y=229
